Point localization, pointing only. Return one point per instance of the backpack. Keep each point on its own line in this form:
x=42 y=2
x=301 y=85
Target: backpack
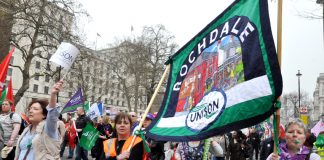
x=23 y=124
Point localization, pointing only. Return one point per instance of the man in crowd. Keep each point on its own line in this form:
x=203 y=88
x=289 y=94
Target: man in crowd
x=134 y=120
x=80 y=123
x=10 y=123
x=255 y=141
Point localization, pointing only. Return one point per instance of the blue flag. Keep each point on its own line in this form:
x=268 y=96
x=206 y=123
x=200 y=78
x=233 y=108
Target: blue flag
x=225 y=78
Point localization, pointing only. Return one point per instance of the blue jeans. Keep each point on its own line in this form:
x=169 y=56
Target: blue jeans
x=71 y=151
x=81 y=153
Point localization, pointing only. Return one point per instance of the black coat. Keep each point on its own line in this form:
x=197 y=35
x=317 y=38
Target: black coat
x=266 y=148
x=81 y=122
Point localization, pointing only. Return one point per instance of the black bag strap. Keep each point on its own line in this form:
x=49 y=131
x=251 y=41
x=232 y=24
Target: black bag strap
x=11 y=114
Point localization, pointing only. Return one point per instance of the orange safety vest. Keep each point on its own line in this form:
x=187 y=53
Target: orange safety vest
x=110 y=146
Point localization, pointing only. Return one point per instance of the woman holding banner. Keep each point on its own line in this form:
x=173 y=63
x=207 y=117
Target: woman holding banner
x=41 y=139
x=293 y=148
x=117 y=148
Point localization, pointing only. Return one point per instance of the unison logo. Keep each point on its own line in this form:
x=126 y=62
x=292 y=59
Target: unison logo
x=206 y=111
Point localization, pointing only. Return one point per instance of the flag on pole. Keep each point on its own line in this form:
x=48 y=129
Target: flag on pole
x=98 y=35
x=86 y=106
x=10 y=96
x=75 y=102
x=100 y=108
x=225 y=78
x=3 y=94
x=93 y=111
x=4 y=65
x=25 y=118
x=89 y=137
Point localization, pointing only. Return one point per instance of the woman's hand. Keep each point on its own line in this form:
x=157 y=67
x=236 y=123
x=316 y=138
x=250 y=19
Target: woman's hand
x=55 y=89
x=123 y=156
x=273 y=156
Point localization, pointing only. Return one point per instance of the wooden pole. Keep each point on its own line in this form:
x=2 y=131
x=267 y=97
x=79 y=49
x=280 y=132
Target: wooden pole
x=150 y=104
x=279 y=38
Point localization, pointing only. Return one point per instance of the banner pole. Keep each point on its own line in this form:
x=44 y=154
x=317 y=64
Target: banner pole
x=279 y=38
x=150 y=104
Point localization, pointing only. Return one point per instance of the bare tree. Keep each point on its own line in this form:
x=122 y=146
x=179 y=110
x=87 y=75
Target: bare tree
x=39 y=27
x=139 y=63
x=6 y=21
x=159 y=45
x=127 y=65
x=292 y=99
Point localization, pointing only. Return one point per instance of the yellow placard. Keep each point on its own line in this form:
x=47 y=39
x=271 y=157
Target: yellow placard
x=304 y=118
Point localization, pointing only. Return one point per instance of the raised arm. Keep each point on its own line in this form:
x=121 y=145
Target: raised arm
x=52 y=115
x=56 y=88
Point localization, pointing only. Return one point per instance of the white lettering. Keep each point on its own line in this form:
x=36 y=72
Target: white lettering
x=201 y=46
x=191 y=60
x=177 y=86
x=225 y=29
x=212 y=38
x=234 y=30
x=246 y=32
x=183 y=72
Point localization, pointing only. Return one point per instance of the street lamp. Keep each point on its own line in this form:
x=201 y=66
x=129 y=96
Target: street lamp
x=298 y=75
x=322 y=2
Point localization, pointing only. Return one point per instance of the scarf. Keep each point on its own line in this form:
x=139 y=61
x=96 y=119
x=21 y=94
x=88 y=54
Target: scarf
x=285 y=155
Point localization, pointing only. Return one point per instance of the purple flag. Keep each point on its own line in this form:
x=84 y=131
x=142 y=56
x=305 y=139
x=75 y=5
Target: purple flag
x=75 y=102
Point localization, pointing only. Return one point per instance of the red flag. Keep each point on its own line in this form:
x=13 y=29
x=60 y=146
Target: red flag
x=10 y=96
x=4 y=67
x=25 y=118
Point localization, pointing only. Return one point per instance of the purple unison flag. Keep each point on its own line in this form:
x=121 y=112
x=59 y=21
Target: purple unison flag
x=75 y=102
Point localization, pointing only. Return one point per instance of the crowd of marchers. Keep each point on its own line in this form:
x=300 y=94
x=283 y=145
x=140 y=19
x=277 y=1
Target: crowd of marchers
x=44 y=134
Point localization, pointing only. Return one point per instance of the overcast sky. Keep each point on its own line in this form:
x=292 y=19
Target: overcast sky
x=302 y=46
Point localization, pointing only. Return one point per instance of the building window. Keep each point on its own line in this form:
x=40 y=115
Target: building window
x=12 y=60
x=9 y=71
x=46 y=89
x=112 y=93
x=100 y=90
x=92 y=98
x=37 y=65
x=123 y=103
x=71 y=84
x=35 y=89
x=111 y=102
x=36 y=77
x=117 y=103
x=48 y=67
x=70 y=94
x=47 y=78
x=106 y=101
